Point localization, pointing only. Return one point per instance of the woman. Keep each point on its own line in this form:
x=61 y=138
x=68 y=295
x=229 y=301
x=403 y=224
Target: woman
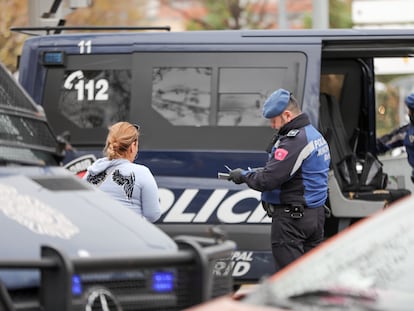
x=117 y=174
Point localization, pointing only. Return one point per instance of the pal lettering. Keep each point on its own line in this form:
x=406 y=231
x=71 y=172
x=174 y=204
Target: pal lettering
x=241 y=262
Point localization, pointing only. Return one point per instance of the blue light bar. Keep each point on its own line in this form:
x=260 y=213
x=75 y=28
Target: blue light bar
x=76 y=285
x=53 y=58
x=163 y=281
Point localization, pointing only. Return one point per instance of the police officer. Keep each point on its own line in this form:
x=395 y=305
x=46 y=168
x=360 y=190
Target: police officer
x=403 y=136
x=294 y=181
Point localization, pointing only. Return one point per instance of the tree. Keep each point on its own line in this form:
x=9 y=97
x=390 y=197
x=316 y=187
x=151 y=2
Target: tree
x=14 y=14
x=103 y=12
x=340 y=15
x=225 y=14
x=108 y=13
x=259 y=14
x=199 y=14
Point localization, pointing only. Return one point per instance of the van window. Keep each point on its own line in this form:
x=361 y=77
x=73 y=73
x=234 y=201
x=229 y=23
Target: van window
x=242 y=92
x=332 y=84
x=217 y=94
x=84 y=98
x=182 y=95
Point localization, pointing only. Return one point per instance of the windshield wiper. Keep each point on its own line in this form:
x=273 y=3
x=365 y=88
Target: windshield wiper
x=320 y=299
x=335 y=299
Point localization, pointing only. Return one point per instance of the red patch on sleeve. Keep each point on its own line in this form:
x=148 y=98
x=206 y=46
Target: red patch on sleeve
x=280 y=154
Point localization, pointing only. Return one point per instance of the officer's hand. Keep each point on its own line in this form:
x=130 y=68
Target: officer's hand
x=236 y=176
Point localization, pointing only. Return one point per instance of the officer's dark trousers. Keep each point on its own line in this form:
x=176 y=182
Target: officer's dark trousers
x=291 y=237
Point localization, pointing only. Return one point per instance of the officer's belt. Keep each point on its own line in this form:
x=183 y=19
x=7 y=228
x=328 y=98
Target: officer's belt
x=294 y=210
x=275 y=206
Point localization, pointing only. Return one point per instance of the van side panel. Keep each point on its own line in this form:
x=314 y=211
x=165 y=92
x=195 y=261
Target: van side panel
x=199 y=106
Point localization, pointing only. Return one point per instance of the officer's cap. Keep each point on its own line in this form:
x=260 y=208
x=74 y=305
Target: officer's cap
x=276 y=103
x=409 y=101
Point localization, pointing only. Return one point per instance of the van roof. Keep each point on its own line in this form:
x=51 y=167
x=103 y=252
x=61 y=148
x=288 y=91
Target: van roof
x=353 y=40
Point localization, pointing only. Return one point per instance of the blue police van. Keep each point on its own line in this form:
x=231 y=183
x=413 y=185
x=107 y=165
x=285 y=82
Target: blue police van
x=198 y=98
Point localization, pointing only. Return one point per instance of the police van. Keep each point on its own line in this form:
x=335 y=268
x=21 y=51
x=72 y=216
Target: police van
x=198 y=98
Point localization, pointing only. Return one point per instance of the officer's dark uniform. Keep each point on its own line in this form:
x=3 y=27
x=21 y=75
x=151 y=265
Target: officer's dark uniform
x=403 y=136
x=294 y=185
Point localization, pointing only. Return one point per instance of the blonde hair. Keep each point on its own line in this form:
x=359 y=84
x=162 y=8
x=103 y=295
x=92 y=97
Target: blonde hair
x=121 y=135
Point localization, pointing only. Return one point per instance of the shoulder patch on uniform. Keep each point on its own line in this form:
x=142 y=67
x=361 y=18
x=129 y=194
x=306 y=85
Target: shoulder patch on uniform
x=280 y=154
x=292 y=133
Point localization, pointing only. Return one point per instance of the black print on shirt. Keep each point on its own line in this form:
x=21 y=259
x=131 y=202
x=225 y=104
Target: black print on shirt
x=126 y=181
x=96 y=179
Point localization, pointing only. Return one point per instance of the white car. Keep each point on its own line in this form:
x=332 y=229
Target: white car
x=368 y=266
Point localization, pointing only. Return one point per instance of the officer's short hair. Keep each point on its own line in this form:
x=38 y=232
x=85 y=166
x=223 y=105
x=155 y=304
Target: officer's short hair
x=293 y=105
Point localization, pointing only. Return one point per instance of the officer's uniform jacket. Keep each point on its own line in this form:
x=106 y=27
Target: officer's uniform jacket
x=409 y=145
x=297 y=169
x=403 y=136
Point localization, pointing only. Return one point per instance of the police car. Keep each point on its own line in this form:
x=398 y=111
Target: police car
x=67 y=246
x=198 y=97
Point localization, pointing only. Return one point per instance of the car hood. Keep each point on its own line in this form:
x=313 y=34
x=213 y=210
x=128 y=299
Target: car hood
x=51 y=206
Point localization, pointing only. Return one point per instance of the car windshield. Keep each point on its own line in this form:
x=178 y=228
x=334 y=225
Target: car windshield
x=26 y=140
x=370 y=264
x=341 y=299
x=25 y=136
